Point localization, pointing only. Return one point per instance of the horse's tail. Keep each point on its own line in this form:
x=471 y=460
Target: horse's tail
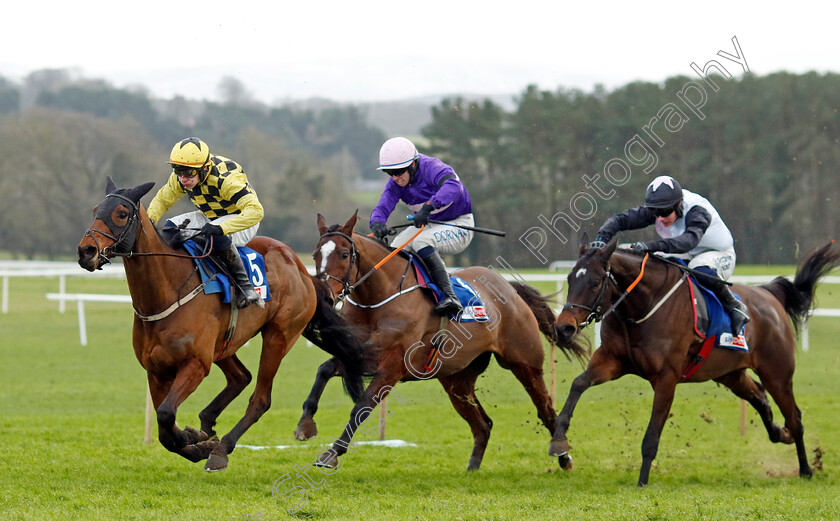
x=797 y=296
x=541 y=308
x=334 y=335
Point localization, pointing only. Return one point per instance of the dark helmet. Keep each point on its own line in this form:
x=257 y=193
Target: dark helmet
x=663 y=192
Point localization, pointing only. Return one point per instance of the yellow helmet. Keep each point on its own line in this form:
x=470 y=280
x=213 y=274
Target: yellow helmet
x=191 y=152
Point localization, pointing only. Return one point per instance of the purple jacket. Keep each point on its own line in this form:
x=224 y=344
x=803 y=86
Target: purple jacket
x=434 y=182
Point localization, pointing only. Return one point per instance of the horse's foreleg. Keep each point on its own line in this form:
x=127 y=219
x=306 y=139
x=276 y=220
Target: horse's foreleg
x=166 y=399
x=238 y=377
x=306 y=428
x=663 y=397
x=388 y=375
x=601 y=368
x=275 y=347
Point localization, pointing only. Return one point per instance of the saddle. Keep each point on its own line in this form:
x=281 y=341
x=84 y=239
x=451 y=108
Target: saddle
x=474 y=309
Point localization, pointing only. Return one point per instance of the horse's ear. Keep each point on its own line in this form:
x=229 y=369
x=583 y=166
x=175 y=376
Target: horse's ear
x=350 y=224
x=110 y=186
x=322 y=224
x=139 y=191
x=584 y=243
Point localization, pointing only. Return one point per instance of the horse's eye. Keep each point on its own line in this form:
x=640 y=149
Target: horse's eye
x=594 y=283
x=123 y=214
x=345 y=254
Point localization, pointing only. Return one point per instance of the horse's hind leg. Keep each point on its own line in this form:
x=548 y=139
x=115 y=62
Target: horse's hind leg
x=461 y=390
x=238 y=377
x=744 y=387
x=306 y=428
x=781 y=389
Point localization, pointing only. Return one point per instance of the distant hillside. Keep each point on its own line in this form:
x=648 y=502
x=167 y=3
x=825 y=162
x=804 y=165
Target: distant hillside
x=402 y=117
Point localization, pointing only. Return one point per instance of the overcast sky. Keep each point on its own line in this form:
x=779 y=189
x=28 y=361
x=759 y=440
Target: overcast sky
x=364 y=51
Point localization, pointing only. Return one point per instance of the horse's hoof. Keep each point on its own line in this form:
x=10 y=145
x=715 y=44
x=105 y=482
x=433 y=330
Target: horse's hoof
x=306 y=430
x=194 y=435
x=566 y=462
x=208 y=446
x=327 y=460
x=216 y=462
x=475 y=464
x=559 y=448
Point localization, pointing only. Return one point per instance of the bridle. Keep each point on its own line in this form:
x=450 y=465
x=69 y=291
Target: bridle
x=123 y=242
x=121 y=245
x=346 y=287
x=594 y=309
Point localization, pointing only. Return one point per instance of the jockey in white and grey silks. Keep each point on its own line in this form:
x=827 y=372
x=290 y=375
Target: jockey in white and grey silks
x=691 y=229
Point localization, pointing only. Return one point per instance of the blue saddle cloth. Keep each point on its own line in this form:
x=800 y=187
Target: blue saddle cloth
x=253 y=261
x=474 y=310
x=718 y=323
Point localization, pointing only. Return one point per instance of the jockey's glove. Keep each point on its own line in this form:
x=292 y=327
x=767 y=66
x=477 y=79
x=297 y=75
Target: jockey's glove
x=640 y=247
x=422 y=215
x=210 y=229
x=598 y=245
x=380 y=231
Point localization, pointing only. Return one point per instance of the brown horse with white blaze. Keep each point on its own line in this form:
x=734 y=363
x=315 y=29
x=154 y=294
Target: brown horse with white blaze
x=399 y=322
x=657 y=342
x=180 y=332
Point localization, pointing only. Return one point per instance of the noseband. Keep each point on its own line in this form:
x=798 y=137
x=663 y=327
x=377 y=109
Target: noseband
x=594 y=309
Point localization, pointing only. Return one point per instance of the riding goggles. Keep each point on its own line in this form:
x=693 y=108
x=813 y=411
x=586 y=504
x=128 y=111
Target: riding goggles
x=397 y=172
x=185 y=171
x=663 y=212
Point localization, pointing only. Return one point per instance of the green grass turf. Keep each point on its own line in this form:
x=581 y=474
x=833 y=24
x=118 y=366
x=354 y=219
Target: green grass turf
x=72 y=418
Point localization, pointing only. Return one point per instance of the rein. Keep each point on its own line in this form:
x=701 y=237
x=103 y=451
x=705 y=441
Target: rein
x=348 y=288
x=121 y=241
x=111 y=251
x=595 y=314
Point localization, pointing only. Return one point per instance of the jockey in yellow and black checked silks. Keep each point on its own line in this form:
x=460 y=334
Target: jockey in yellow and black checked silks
x=224 y=191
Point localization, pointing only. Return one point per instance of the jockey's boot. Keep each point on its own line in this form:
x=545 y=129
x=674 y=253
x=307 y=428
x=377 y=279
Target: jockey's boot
x=437 y=270
x=246 y=294
x=736 y=309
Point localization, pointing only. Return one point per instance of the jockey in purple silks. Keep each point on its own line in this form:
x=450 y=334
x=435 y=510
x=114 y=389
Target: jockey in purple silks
x=432 y=190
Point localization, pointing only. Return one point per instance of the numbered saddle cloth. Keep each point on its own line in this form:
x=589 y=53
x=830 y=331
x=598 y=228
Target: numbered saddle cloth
x=254 y=264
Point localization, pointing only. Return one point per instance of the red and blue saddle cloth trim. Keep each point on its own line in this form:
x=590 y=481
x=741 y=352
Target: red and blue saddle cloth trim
x=254 y=264
x=712 y=323
x=474 y=309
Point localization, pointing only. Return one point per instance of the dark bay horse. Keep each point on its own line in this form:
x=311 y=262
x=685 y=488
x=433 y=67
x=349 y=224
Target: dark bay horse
x=180 y=332
x=659 y=344
x=400 y=327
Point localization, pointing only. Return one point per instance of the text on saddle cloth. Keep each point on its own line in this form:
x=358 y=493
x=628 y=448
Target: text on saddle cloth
x=254 y=264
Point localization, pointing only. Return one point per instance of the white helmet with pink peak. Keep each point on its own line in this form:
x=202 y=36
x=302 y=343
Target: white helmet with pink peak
x=397 y=153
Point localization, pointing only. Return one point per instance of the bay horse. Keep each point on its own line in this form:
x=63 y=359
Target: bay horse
x=180 y=332
x=638 y=337
x=399 y=324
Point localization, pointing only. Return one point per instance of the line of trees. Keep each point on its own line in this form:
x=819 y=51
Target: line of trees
x=764 y=150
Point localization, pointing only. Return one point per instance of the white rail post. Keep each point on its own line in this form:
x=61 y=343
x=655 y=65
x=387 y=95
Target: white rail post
x=82 y=326
x=62 y=289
